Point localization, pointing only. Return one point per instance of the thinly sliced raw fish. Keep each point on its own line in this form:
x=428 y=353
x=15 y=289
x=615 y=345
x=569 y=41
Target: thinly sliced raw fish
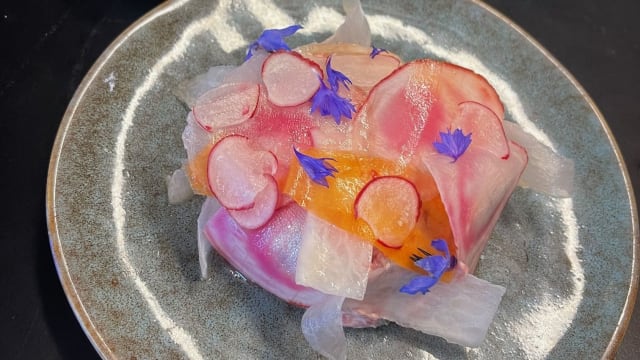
x=332 y=260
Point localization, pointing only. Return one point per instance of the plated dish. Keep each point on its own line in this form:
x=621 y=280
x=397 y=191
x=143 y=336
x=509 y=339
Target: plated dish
x=127 y=259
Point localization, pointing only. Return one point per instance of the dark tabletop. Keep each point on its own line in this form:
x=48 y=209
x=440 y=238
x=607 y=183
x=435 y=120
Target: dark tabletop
x=48 y=46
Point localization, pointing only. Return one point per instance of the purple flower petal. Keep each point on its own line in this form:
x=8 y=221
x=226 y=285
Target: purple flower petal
x=328 y=102
x=419 y=284
x=435 y=265
x=272 y=40
x=441 y=245
x=316 y=168
x=453 y=145
x=375 y=51
x=335 y=77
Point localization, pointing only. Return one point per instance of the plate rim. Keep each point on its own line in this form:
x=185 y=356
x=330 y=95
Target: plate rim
x=627 y=311
x=167 y=6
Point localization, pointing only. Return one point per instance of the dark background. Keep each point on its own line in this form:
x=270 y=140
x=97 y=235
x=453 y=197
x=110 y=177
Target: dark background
x=46 y=47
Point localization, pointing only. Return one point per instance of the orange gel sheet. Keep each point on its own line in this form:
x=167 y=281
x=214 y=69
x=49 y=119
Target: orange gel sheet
x=335 y=204
x=196 y=171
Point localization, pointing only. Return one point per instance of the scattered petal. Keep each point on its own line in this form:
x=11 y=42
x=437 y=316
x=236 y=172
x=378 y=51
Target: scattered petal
x=272 y=40
x=442 y=246
x=453 y=145
x=375 y=51
x=316 y=168
x=330 y=103
x=435 y=265
x=335 y=77
x=419 y=284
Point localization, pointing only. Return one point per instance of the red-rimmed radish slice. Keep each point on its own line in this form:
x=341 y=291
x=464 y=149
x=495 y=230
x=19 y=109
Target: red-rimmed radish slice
x=364 y=71
x=264 y=205
x=391 y=207
x=405 y=112
x=236 y=172
x=290 y=79
x=484 y=125
x=226 y=105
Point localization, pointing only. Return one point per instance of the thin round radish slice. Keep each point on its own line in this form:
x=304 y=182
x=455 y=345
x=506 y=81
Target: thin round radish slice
x=226 y=105
x=391 y=206
x=236 y=172
x=290 y=79
x=364 y=71
x=264 y=205
x=485 y=127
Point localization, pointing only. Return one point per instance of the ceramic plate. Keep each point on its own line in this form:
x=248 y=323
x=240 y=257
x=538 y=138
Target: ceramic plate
x=128 y=260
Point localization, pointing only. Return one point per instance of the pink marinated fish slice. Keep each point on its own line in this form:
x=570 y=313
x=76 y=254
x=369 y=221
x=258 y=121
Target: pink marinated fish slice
x=474 y=190
x=405 y=115
x=397 y=117
x=267 y=256
x=476 y=187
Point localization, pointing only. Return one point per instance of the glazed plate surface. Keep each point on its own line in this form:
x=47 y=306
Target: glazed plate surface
x=128 y=260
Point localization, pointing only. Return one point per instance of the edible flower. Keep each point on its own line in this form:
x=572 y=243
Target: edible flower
x=435 y=265
x=330 y=103
x=335 y=77
x=316 y=168
x=453 y=145
x=375 y=51
x=272 y=40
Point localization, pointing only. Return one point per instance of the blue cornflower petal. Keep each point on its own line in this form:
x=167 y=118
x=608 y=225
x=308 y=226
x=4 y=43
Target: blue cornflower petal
x=375 y=51
x=453 y=145
x=419 y=284
x=330 y=103
x=335 y=77
x=272 y=40
x=316 y=168
x=435 y=265
x=441 y=245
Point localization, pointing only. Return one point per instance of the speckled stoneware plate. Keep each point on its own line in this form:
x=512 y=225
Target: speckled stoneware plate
x=128 y=260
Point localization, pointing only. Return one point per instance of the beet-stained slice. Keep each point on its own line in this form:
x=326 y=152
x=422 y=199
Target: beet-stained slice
x=390 y=205
x=226 y=105
x=268 y=255
x=405 y=111
x=236 y=172
x=264 y=205
x=290 y=79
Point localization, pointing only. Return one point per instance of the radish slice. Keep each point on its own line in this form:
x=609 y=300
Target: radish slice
x=391 y=207
x=405 y=111
x=236 y=172
x=226 y=105
x=290 y=79
x=264 y=205
x=474 y=190
x=484 y=125
x=364 y=71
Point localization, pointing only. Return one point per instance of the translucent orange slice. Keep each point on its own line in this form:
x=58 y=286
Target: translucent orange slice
x=337 y=204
